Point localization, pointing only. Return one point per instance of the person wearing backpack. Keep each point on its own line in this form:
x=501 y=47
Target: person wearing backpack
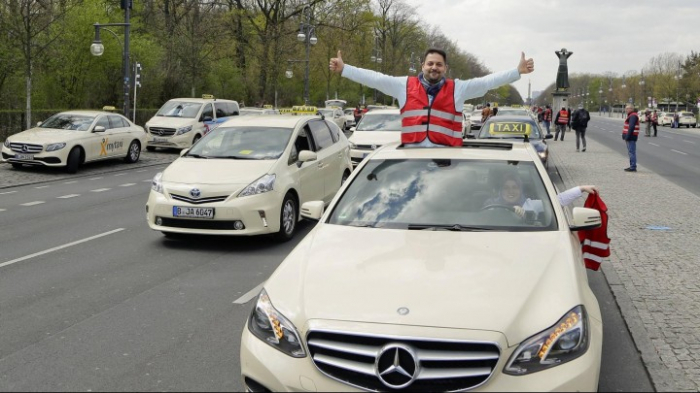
x=579 y=122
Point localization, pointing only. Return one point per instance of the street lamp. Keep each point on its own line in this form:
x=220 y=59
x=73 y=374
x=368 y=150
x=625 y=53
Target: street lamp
x=376 y=58
x=413 y=60
x=644 y=91
x=307 y=33
x=97 y=49
x=600 y=97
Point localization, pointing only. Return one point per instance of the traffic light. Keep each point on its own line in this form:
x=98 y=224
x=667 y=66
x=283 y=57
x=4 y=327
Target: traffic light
x=137 y=76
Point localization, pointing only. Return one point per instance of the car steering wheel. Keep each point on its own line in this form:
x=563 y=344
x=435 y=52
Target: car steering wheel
x=500 y=206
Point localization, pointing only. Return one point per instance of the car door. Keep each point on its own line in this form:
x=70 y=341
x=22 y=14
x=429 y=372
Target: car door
x=327 y=157
x=309 y=181
x=118 y=135
x=94 y=145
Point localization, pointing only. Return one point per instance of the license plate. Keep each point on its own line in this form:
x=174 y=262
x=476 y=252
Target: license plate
x=193 y=212
x=24 y=157
x=160 y=140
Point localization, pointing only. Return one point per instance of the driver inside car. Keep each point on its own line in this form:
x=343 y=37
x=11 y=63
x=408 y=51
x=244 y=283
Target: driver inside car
x=511 y=194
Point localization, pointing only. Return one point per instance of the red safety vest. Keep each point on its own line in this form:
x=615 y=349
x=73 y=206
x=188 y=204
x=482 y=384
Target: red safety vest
x=595 y=242
x=563 y=117
x=439 y=122
x=548 y=115
x=626 y=128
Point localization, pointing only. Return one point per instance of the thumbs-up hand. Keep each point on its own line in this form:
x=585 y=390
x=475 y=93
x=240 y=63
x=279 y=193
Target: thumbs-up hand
x=337 y=63
x=526 y=66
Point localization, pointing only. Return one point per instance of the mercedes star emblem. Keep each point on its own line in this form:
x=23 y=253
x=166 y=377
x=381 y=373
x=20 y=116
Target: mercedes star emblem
x=195 y=193
x=397 y=366
x=24 y=148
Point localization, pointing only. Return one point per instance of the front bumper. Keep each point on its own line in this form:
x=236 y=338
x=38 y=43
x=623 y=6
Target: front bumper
x=182 y=141
x=276 y=371
x=250 y=210
x=55 y=158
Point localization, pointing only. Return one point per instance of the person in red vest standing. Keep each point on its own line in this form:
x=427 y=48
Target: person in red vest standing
x=630 y=132
x=561 y=121
x=547 y=118
x=431 y=105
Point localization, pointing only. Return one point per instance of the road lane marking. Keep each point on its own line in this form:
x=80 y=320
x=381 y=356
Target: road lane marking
x=2 y=210
x=147 y=181
x=127 y=185
x=7 y=192
x=653 y=144
x=679 y=152
x=32 y=203
x=142 y=170
x=101 y=190
x=248 y=296
x=59 y=247
x=691 y=142
x=71 y=182
x=40 y=187
x=119 y=174
x=96 y=178
x=666 y=136
x=68 y=196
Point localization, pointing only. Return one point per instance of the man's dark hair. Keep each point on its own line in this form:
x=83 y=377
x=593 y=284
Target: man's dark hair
x=435 y=50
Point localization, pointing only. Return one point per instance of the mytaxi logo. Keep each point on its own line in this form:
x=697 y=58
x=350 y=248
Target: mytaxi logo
x=106 y=146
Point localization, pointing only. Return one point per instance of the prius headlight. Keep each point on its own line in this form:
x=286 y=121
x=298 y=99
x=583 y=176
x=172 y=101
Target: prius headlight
x=55 y=146
x=183 y=130
x=567 y=340
x=267 y=324
x=157 y=183
x=262 y=185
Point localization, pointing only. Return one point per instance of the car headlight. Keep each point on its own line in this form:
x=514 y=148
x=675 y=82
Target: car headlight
x=157 y=183
x=567 y=340
x=270 y=326
x=183 y=130
x=352 y=145
x=262 y=185
x=7 y=143
x=542 y=154
x=55 y=146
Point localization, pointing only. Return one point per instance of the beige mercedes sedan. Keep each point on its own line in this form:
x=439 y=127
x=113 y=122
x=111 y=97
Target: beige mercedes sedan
x=422 y=275
x=249 y=176
x=70 y=139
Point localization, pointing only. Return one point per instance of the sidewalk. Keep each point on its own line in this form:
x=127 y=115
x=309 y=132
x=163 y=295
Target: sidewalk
x=655 y=263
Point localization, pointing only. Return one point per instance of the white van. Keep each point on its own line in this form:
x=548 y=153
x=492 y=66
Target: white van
x=180 y=122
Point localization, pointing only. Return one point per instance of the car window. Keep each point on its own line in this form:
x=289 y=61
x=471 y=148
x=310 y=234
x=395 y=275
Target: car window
x=303 y=142
x=66 y=121
x=245 y=143
x=232 y=108
x=180 y=109
x=116 y=122
x=423 y=193
x=104 y=122
x=380 y=122
x=335 y=130
x=223 y=109
x=207 y=112
x=321 y=134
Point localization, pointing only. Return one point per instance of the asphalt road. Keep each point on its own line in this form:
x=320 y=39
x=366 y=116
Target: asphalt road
x=673 y=154
x=92 y=299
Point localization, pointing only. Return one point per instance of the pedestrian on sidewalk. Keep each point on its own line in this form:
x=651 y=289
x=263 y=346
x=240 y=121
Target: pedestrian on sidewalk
x=647 y=119
x=675 y=120
x=630 y=131
x=431 y=104
x=561 y=122
x=579 y=122
x=654 y=120
x=568 y=113
x=547 y=118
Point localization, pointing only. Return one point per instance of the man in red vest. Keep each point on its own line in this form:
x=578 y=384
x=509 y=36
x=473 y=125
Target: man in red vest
x=431 y=105
x=561 y=121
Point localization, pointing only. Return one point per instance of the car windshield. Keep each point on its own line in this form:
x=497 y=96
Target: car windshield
x=244 y=143
x=436 y=194
x=512 y=112
x=380 y=122
x=248 y=112
x=686 y=114
x=67 y=121
x=509 y=129
x=183 y=109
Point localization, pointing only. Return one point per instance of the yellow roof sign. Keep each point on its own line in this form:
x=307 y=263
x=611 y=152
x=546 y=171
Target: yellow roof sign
x=304 y=109
x=509 y=128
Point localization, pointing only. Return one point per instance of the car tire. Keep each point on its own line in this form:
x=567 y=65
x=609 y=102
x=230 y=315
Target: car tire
x=150 y=148
x=288 y=218
x=73 y=161
x=17 y=165
x=134 y=152
x=345 y=177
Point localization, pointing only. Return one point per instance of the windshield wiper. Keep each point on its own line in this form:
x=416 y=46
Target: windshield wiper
x=235 y=157
x=452 y=227
x=196 y=156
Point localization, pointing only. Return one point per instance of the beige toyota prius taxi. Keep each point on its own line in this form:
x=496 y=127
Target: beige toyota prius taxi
x=249 y=176
x=421 y=276
x=70 y=139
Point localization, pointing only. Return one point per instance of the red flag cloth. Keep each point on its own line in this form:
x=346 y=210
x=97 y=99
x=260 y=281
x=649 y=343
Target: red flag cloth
x=595 y=242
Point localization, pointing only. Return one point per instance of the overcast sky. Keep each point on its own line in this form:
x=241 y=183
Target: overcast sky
x=604 y=35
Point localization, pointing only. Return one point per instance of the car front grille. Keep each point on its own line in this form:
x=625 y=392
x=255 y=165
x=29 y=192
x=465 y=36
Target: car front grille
x=433 y=365
x=28 y=148
x=160 y=131
x=198 y=201
x=198 y=224
x=368 y=147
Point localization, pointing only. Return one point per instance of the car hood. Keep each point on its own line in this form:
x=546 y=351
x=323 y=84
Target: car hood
x=188 y=170
x=378 y=138
x=47 y=135
x=515 y=283
x=170 y=122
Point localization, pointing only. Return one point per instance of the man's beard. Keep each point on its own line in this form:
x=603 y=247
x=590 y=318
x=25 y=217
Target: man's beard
x=431 y=80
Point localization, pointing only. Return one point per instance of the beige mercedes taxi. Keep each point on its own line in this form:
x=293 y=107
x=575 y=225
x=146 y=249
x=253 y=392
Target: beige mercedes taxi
x=249 y=176
x=70 y=139
x=375 y=129
x=422 y=276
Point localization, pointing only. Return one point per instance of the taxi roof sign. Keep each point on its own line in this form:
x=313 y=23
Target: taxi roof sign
x=304 y=109
x=208 y=97
x=510 y=128
x=109 y=108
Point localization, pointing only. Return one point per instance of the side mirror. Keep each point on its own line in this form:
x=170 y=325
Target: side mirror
x=312 y=210
x=38 y=123
x=99 y=129
x=307 y=155
x=183 y=152
x=585 y=219
x=549 y=136
x=352 y=129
